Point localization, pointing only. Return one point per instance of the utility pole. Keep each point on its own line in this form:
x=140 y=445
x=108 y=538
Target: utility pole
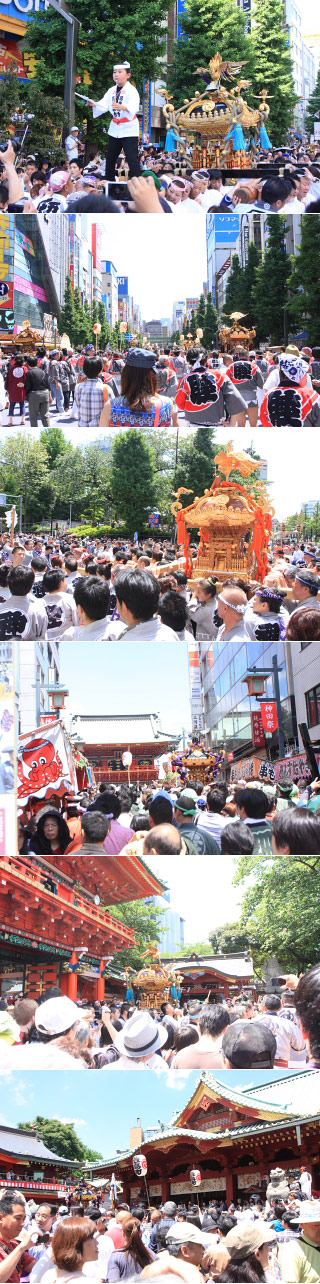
x=276 y=672
x=73 y=27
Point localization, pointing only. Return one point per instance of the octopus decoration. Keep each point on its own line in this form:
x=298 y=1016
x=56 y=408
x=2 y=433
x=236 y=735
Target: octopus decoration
x=235 y=527
x=217 y=117
x=198 y=762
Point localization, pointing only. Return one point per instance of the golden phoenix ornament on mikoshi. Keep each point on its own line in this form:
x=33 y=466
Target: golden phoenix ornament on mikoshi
x=209 y=117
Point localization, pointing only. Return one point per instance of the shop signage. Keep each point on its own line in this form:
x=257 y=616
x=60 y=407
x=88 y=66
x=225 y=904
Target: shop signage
x=257 y=730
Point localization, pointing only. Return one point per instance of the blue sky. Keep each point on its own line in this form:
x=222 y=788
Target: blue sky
x=148 y=680
x=103 y=1116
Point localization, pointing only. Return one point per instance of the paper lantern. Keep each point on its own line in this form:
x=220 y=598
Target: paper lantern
x=140 y=1165
x=195 y=1177
x=97 y=328
x=127 y=758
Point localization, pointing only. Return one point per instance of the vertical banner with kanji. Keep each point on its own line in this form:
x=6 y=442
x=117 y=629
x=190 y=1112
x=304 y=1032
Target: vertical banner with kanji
x=269 y=716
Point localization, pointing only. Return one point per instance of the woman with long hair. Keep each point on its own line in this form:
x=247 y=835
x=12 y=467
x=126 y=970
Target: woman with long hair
x=74 y=1243
x=131 y=1259
x=140 y=404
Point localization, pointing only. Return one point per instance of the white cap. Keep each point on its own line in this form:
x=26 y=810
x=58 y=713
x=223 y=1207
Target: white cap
x=185 y=1233
x=118 y=65
x=56 y=1015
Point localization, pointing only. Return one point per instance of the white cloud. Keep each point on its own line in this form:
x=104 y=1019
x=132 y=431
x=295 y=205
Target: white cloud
x=177 y=1079
x=81 y=1123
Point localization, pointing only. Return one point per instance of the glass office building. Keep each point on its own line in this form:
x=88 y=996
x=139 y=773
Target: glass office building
x=228 y=708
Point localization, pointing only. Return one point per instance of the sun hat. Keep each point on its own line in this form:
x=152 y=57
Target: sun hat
x=185 y=1233
x=141 y=359
x=246 y=1238
x=140 y=1036
x=249 y=1043
x=309 y=1212
x=57 y=1015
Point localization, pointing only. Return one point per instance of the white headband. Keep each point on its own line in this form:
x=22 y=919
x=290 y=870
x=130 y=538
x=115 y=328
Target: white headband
x=240 y=609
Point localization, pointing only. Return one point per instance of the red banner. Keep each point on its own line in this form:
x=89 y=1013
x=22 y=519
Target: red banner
x=269 y=716
x=258 y=736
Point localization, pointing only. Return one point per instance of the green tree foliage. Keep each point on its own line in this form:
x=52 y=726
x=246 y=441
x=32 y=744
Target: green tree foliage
x=25 y=470
x=61 y=1138
x=248 y=284
x=210 y=323
x=162 y=446
x=146 y=922
x=132 y=483
x=281 y=908
x=104 y=337
x=67 y=321
x=234 y=289
x=313 y=106
x=9 y=98
x=196 y=462
x=45 y=114
x=108 y=34
x=201 y=312
x=270 y=291
x=229 y=939
x=200 y=948
x=304 y=282
x=272 y=67
x=208 y=27
x=195 y=468
x=54 y=442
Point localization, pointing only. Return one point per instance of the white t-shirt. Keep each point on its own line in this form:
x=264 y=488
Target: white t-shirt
x=123 y=109
x=72 y=147
x=51 y=203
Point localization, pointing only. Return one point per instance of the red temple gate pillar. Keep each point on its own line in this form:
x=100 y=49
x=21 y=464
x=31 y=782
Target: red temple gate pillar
x=230 y=1187
x=100 y=987
x=165 y=1189
x=72 y=979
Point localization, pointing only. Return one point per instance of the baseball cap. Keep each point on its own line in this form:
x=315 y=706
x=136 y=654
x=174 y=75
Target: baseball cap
x=249 y=1043
x=246 y=1238
x=141 y=359
x=184 y=1233
x=58 y=180
x=187 y=802
x=57 y=1015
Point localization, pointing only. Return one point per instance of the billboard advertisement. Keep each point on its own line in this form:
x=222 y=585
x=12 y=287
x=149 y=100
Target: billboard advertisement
x=123 y=286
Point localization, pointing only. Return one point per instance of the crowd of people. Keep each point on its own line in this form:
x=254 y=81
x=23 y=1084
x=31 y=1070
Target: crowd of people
x=160 y=182
x=93 y=589
x=277 y=1030
x=244 y=818
x=145 y=388
x=261 y=1237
